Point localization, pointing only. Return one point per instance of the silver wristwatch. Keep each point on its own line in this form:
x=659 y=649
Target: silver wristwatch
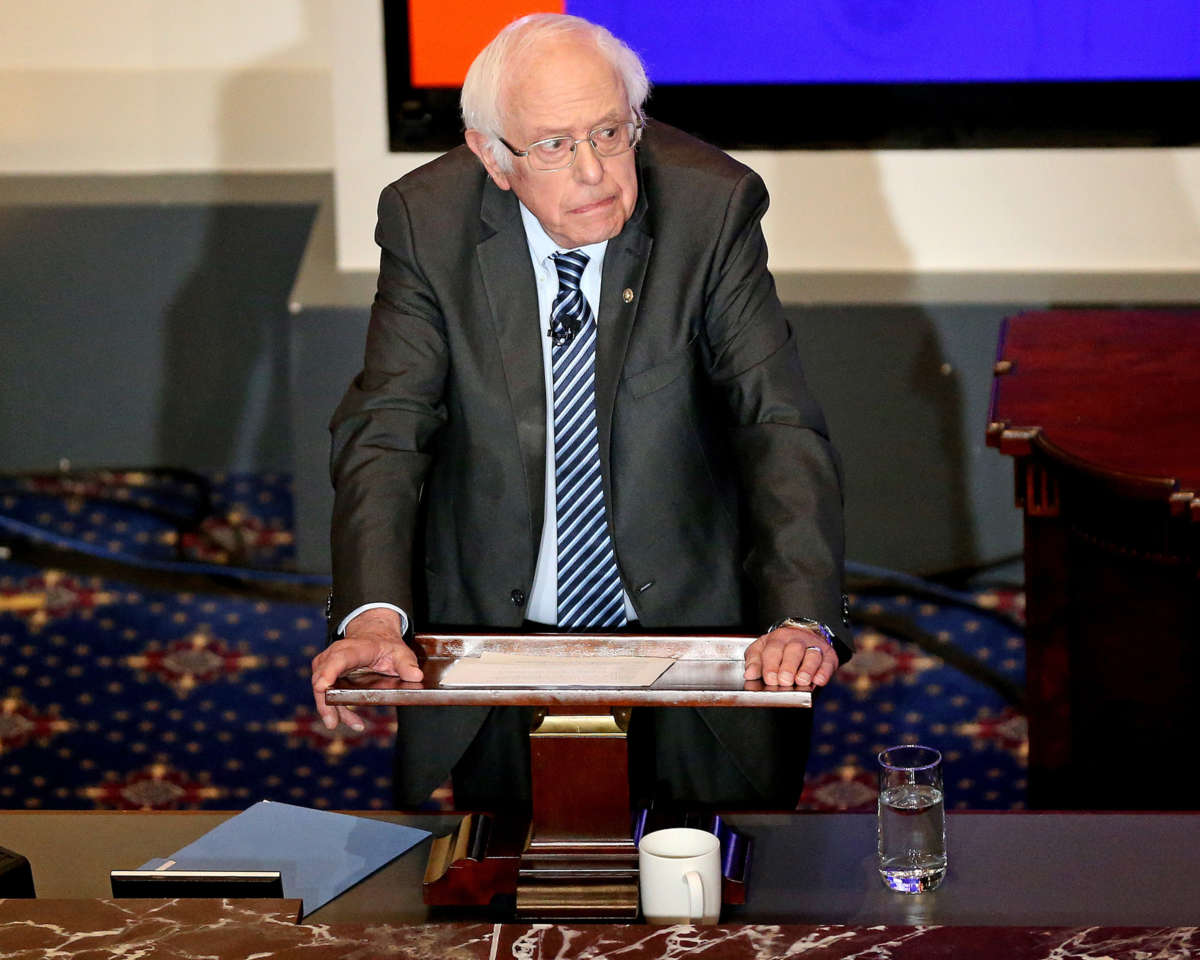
x=805 y=624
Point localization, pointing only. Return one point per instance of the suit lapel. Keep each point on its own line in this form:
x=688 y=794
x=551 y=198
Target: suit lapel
x=625 y=262
x=512 y=295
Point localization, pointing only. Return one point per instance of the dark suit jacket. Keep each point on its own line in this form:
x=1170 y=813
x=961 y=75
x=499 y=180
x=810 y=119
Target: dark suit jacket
x=723 y=490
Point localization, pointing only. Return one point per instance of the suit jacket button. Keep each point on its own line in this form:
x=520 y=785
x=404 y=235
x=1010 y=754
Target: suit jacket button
x=518 y=598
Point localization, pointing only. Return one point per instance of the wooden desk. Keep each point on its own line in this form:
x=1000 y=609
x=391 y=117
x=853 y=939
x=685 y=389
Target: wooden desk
x=1101 y=410
x=1009 y=869
x=236 y=929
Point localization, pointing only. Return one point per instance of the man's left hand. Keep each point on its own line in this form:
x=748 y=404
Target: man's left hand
x=791 y=656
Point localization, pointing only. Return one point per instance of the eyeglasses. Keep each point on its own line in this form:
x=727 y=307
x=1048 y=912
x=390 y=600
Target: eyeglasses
x=558 y=153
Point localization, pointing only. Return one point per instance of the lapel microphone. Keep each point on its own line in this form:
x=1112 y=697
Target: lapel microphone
x=562 y=333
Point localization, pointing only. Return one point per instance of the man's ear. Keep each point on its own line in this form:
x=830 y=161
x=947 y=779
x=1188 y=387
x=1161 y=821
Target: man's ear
x=478 y=143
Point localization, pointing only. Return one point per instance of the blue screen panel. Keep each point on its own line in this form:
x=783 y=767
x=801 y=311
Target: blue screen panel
x=906 y=41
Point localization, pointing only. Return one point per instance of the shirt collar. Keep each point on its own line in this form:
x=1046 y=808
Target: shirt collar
x=542 y=247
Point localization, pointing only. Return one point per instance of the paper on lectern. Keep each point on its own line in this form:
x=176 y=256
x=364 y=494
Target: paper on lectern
x=519 y=670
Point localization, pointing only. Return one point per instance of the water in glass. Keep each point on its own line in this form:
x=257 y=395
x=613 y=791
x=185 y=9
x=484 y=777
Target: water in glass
x=912 y=837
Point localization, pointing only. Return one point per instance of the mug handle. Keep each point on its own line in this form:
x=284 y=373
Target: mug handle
x=695 y=895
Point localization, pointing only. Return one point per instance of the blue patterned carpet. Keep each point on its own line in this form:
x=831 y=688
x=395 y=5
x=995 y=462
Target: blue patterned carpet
x=160 y=682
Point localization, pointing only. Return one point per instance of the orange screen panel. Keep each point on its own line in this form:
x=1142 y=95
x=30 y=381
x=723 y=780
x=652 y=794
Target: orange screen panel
x=444 y=37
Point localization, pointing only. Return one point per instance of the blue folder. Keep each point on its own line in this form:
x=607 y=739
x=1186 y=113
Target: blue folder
x=319 y=854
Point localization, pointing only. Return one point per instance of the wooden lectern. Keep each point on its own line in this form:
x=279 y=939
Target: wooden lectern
x=576 y=857
x=1101 y=410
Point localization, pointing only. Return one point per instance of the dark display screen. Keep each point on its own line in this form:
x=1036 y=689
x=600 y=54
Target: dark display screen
x=852 y=73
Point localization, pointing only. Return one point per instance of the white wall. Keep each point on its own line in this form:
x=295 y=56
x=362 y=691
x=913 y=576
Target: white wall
x=131 y=86
x=1105 y=214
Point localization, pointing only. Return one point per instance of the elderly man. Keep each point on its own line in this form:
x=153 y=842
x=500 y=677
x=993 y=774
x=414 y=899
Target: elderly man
x=582 y=408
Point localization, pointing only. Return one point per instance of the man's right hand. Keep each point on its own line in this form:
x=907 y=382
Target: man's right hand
x=374 y=642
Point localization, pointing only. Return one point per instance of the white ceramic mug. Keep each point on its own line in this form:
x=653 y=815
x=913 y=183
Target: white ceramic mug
x=680 y=876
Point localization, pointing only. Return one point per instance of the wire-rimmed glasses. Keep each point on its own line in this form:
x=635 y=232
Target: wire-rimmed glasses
x=558 y=153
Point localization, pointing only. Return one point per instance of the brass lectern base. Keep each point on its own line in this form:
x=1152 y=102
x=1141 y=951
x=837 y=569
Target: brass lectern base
x=488 y=856
x=578 y=881
x=580 y=900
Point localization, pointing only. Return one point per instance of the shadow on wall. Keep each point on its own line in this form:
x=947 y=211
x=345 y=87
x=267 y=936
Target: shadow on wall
x=906 y=387
x=901 y=408
x=893 y=399
x=224 y=390
x=225 y=393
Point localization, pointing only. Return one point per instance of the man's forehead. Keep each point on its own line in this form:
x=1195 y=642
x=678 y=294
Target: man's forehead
x=560 y=85
x=550 y=125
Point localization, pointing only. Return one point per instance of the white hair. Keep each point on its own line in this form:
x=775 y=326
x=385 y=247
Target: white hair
x=483 y=90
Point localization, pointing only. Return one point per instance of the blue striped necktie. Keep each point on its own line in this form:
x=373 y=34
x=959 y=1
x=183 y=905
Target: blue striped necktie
x=589 y=586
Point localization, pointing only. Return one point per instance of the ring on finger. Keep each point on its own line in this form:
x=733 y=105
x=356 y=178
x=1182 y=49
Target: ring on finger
x=813 y=646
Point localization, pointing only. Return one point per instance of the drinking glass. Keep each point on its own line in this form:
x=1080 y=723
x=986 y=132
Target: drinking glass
x=911 y=850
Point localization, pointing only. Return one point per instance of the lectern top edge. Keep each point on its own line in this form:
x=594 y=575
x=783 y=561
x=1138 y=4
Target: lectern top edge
x=707 y=672
x=679 y=646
